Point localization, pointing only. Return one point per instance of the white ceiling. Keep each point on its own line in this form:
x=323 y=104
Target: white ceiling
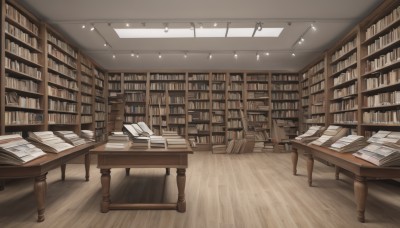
x=332 y=19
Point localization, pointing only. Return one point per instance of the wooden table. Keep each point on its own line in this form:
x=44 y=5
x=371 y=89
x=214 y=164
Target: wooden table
x=39 y=168
x=360 y=169
x=142 y=158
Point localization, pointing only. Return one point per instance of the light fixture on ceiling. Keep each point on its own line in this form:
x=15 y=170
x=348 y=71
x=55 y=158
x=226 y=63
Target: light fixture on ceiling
x=235 y=55
x=92 y=28
x=127 y=25
x=210 y=56
x=293 y=54
x=137 y=55
x=166 y=27
x=267 y=53
x=313 y=27
x=185 y=55
x=83 y=26
x=257 y=56
x=105 y=44
x=201 y=26
x=113 y=56
x=159 y=55
x=259 y=27
x=215 y=24
x=132 y=54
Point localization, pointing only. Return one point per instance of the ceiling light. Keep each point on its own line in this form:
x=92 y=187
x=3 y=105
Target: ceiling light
x=127 y=25
x=215 y=24
x=105 y=44
x=267 y=53
x=259 y=27
x=133 y=54
x=235 y=55
x=258 y=56
x=211 y=32
x=154 y=33
x=159 y=56
x=210 y=56
x=83 y=26
x=114 y=56
x=166 y=28
x=299 y=42
x=293 y=54
x=137 y=56
x=313 y=27
x=302 y=39
x=269 y=32
x=185 y=56
x=92 y=28
x=201 y=25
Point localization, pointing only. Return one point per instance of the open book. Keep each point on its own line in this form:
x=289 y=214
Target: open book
x=330 y=135
x=349 y=143
x=14 y=150
x=311 y=134
x=47 y=141
x=380 y=155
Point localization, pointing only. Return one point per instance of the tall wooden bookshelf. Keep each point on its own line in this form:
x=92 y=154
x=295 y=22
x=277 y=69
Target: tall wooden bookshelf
x=380 y=69
x=135 y=90
x=101 y=102
x=285 y=101
x=22 y=75
x=218 y=108
x=199 y=109
x=235 y=106
x=87 y=109
x=304 y=102
x=318 y=93
x=343 y=83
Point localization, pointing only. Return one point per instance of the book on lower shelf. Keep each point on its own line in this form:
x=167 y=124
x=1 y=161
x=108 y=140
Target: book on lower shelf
x=14 y=150
x=47 y=141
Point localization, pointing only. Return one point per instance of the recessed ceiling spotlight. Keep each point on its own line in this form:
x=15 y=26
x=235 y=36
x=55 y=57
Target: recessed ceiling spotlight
x=235 y=55
x=302 y=39
x=258 y=56
x=210 y=56
x=105 y=44
x=132 y=54
x=293 y=54
x=215 y=24
x=114 y=56
x=83 y=26
x=185 y=55
x=92 y=28
x=267 y=53
x=137 y=56
x=127 y=25
x=159 y=56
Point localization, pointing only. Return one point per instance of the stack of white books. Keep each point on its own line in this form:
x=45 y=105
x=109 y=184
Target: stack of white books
x=349 y=143
x=14 y=150
x=258 y=147
x=170 y=134
x=47 y=141
x=380 y=155
x=88 y=135
x=330 y=136
x=219 y=149
x=117 y=140
x=157 y=141
x=176 y=143
x=311 y=134
x=70 y=137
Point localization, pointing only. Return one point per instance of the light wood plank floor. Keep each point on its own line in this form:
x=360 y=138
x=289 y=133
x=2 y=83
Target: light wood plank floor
x=248 y=190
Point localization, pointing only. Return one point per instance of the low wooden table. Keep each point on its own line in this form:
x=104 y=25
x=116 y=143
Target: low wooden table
x=360 y=169
x=142 y=158
x=39 y=168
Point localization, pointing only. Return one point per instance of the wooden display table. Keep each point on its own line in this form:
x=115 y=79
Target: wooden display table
x=360 y=169
x=39 y=168
x=142 y=158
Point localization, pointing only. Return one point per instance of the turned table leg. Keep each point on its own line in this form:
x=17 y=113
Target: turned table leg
x=105 y=189
x=181 y=181
x=310 y=166
x=40 y=188
x=2 y=185
x=337 y=171
x=87 y=166
x=127 y=171
x=167 y=171
x=63 y=166
x=360 y=192
x=295 y=157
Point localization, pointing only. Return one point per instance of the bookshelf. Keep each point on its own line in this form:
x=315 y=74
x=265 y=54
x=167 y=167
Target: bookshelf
x=114 y=84
x=135 y=90
x=380 y=69
x=86 y=105
x=285 y=101
x=218 y=108
x=317 y=88
x=199 y=107
x=100 y=110
x=304 y=102
x=258 y=104
x=343 y=82
x=235 y=107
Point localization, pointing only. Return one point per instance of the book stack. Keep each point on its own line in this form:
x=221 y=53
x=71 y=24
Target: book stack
x=117 y=140
x=88 y=135
x=170 y=134
x=385 y=137
x=258 y=147
x=380 y=155
x=14 y=150
x=219 y=149
x=47 y=141
x=70 y=137
x=311 y=134
x=235 y=146
x=176 y=143
x=330 y=135
x=157 y=141
x=349 y=143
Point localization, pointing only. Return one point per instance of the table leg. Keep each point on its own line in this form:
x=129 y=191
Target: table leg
x=40 y=188
x=105 y=189
x=63 y=166
x=295 y=157
x=337 y=171
x=167 y=171
x=181 y=181
x=360 y=192
x=310 y=166
x=127 y=171
x=87 y=166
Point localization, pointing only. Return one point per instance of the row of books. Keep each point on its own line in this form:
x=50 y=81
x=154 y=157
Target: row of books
x=383 y=79
x=20 y=51
x=61 y=68
x=344 y=63
x=344 y=49
x=61 y=81
x=317 y=78
x=383 y=60
x=22 y=84
x=135 y=86
x=59 y=55
x=62 y=45
x=350 y=74
x=23 y=68
x=288 y=87
x=285 y=77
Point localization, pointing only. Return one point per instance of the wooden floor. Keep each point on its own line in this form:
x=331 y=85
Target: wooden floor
x=249 y=190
